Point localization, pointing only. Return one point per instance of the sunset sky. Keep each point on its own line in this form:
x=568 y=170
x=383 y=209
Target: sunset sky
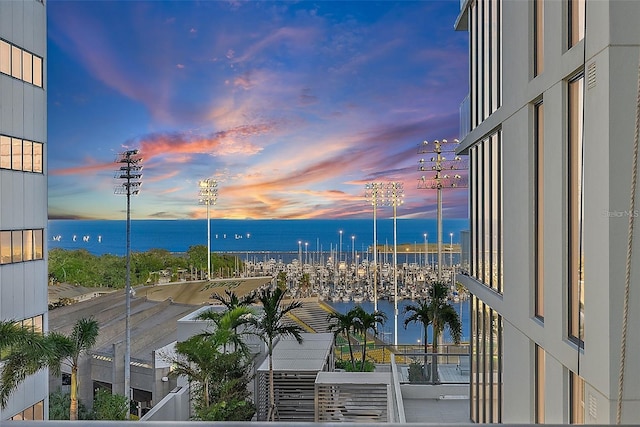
x=291 y=106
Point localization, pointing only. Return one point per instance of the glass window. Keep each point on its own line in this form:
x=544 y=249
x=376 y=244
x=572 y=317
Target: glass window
x=485 y=41
x=576 y=21
x=27 y=156
x=38 y=412
x=5 y=152
x=538 y=40
x=480 y=212
x=486 y=363
x=38 y=242
x=576 y=397
x=539 y=209
x=473 y=189
x=27 y=245
x=37 y=323
x=539 y=384
x=5 y=57
x=575 y=192
x=37 y=71
x=27 y=67
x=495 y=218
x=16 y=246
x=16 y=62
x=5 y=247
x=486 y=215
x=37 y=157
x=16 y=154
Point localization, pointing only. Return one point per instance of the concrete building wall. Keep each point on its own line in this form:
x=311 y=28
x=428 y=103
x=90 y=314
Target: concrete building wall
x=23 y=194
x=608 y=56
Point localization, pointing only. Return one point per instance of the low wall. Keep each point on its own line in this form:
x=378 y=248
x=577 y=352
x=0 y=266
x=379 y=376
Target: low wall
x=173 y=407
x=428 y=391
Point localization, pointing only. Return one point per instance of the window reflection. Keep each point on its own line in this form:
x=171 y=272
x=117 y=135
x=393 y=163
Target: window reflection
x=575 y=211
x=16 y=62
x=21 y=155
x=21 y=245
x=20 y=64
x=5 y=57
x=27 y=67
x=486 y=363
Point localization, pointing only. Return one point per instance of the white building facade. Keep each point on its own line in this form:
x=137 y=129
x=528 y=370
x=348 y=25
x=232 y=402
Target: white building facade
x=549 y=124
x=23 y=185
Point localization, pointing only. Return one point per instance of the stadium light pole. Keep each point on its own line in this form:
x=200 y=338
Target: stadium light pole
x=395 y=195
x=208 y=196
x=374 y=193
x=131 y=173
x=442 y=178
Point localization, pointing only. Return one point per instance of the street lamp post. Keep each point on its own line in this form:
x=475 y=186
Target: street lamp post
x=340 y=252
x=131 y=172
x=300 y=253
x=439 y=164
x=208 y=197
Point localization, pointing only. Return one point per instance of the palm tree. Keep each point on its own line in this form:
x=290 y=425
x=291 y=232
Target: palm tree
x=342 y=324
x=226 y=326
x=232 y=300
x=364 y=322
x=443 y=315
x=70 y=348
x=270 y=326
x=221 y=376
x=11 y=333
x=51 y=351
x=28 y=346
x=419 y=313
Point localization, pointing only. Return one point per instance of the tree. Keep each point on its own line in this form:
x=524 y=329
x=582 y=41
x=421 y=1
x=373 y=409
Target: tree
x=221 y=377
x=108 y=406
x=24 y=350
x=232 y=300
x=420 y=313
x=197 y=256
x=365 y=322
x=343 y=324
x=234 y=318
x=69 y=349
x=59 y=404
x=51 y=351
x=270 y=326
x=442 y=315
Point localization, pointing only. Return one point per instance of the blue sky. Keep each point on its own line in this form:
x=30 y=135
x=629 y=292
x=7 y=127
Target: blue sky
x=291 y=106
